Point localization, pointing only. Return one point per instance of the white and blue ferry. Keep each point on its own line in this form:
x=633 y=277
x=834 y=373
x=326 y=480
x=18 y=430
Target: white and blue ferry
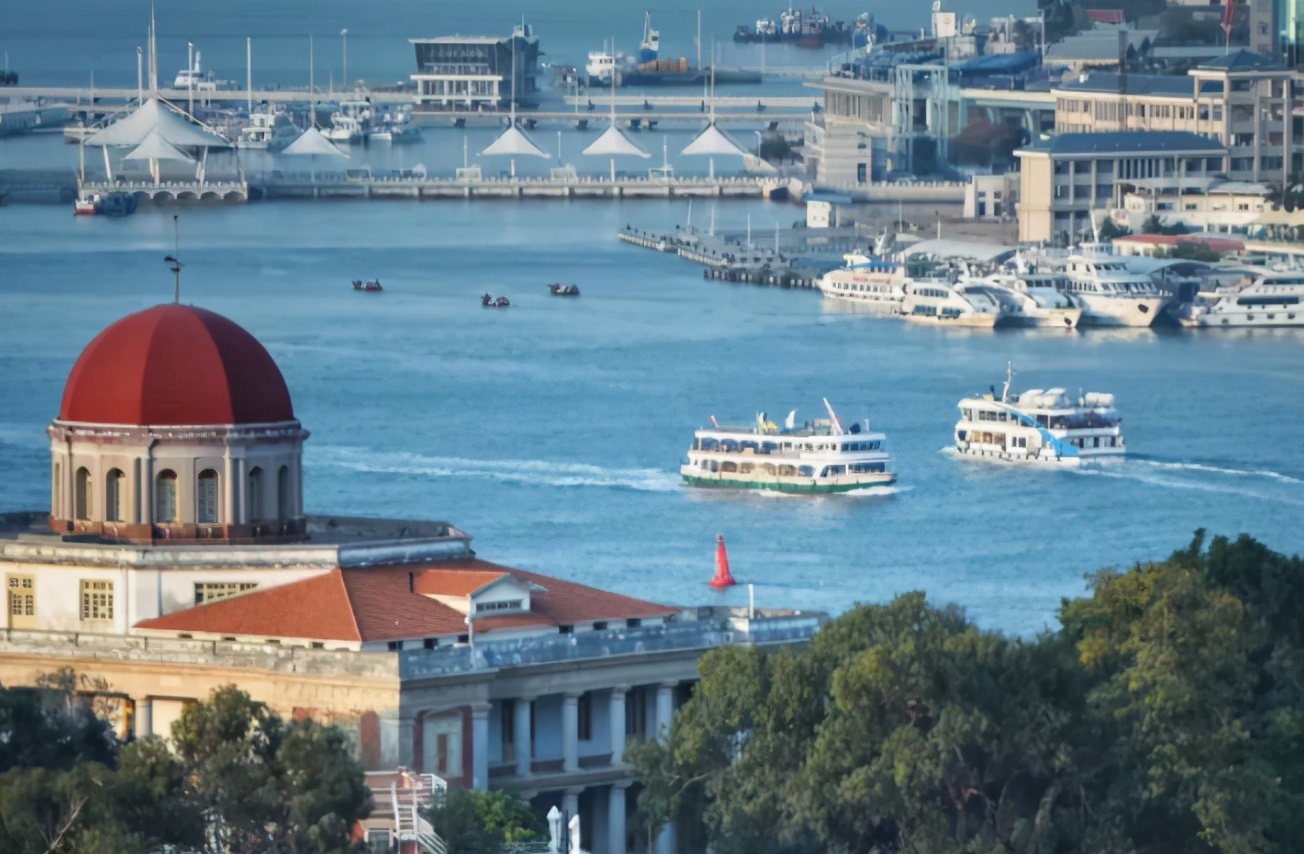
x=1039 y=426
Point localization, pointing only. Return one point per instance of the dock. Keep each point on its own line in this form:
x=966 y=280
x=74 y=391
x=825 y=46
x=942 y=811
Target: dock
x=725 y=260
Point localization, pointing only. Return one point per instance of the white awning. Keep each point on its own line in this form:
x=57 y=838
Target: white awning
x=713 y=142
x=156 y=116
x=311 y=141
x=514 y=143
x=971 y=249
x=155 y=147
x=613 y=143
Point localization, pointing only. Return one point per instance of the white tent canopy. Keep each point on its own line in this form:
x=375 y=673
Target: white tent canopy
x=311 y=142
x=614 y=143
x=514 y=143
x=155 y=147
x=713 y=142
x=154 y=116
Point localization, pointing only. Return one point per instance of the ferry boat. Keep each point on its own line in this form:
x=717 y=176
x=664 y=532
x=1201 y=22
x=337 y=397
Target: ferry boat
x=878 y=284
x=1029 y=299
x=1263 y=298
x=939 y=303
x=1039 y=426
x=1109 y=293
x=818 y=457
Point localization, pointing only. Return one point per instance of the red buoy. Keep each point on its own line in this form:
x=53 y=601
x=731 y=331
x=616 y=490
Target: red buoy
x=723 y=578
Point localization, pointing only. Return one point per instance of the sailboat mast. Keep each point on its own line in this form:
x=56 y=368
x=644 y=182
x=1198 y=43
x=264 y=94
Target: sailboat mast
x=312 y=86
x=249 y=72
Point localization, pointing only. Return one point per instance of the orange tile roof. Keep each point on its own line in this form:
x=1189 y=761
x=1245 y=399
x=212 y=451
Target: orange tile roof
x=387 y=603
x=455 y=583
x=316 y=608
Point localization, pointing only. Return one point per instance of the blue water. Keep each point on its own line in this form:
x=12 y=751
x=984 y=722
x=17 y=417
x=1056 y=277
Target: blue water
x=62 y=43
x=553 y=431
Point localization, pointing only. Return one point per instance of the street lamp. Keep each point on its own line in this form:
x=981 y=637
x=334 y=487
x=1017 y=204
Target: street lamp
x=344 y=44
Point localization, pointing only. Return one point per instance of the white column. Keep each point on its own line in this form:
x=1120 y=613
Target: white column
x=616 y=809
x=521 y=733
x=228 y=484
x=665 y=709
x=570 y=804
x=570 y=732
x=480 y=746
x=617 y=724
x=666 y=841
x=241 y=489
x=142 y=718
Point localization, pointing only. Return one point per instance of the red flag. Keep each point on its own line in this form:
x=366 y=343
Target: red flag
x=1228 y=14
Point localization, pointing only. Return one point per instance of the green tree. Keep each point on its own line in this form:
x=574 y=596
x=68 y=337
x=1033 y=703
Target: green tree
x=475 y=822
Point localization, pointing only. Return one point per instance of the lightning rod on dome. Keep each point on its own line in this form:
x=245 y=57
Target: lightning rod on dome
x=174 y=260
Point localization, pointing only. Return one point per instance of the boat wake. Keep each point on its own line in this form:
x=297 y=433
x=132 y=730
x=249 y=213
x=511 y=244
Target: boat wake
x=529 y=472
x=1170 y=476
x=1201 y=467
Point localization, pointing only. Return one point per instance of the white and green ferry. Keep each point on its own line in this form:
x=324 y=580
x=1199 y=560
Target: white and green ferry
x=818 y=456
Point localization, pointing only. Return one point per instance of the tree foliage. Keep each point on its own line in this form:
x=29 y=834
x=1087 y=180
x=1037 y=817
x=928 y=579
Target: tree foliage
x=1166 y=715
x=476 y=822
x=238 y=779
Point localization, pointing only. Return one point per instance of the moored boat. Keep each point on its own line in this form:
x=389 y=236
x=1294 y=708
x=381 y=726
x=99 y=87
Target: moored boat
x=1029 y=299
x=1263 y=298
x=939 y=303
x=820 y=456
x=880 y=285
x=1109 y=293
x=1039 y=426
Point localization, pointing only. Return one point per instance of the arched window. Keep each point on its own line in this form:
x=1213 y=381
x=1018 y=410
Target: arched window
x=165 y=497
x=284 y=501
x=85 y=497
x=206 y=497
x=113 y=496
x=255 y=496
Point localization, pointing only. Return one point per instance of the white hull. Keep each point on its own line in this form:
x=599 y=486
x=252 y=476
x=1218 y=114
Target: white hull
x=1265 y=317
x=872 y=305
x=756 y=480
x=1045 y=457
x=1120 y=311
x=1032 y=316
x=976 y=320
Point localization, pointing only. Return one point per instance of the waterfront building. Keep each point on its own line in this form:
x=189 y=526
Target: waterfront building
x=1217 y=206
x=473 y=73
x=1066 y=179
x=177 y=557
x=1243 y=100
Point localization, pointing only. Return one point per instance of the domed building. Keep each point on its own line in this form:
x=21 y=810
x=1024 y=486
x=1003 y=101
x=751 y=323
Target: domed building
x=176 y=558
x=176 y=425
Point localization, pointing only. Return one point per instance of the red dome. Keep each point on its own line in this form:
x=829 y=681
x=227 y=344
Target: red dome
x=175 y=365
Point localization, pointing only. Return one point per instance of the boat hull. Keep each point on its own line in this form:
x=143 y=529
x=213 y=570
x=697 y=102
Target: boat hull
x=795 y=486
x=1137 y=313
x=1264 y=317
x=977 y=320
x=1048 y=460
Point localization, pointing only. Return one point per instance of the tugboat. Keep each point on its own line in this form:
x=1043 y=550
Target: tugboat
x=489 y=302
x=559 y=290
x=370 y=287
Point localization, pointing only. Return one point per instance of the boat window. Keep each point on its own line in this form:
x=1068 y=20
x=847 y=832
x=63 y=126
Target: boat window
x=767 y=447
x=710 y=445
x=746 y=468
x=748 y=444
x=836 y=470
x=728 y=445
x=787 y=471
x=728 y=466
x=806 y=471
x=769 y=469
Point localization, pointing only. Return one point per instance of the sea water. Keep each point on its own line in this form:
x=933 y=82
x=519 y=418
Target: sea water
x=552 y=431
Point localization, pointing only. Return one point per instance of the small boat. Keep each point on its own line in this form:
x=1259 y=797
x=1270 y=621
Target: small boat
x=938 y=302
x=489 y=302
x=104 y=204
x=1263 y=298
x=1039 y=426
x=872 y=282
x=559 y=290
x=818 y=457
x=371 y=287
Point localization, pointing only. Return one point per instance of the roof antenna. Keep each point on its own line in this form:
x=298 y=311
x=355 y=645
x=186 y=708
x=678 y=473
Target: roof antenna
x=175 y=263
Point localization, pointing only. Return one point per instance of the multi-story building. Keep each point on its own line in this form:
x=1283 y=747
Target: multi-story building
x=1068 y=178
x=1243 y=100
x=176 y=557
x=476 y=73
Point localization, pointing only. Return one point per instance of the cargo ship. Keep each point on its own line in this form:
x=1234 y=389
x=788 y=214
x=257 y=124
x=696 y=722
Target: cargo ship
x=805 y=29
x=648 y=69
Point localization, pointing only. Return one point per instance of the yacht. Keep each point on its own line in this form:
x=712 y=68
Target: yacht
x=939 y=303
x=395 y=127
x=351 y=122
x=879 y=284
x=1109 y=293
x=269 y=129
x=817 y=457
x=194 y=79
x=1039 y=426
x=1264 y=298
x=1029 y=299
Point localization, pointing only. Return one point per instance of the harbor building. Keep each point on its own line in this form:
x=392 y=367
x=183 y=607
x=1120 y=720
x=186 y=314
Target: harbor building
x=474 y=73
x=177 y=556
x=1243 y=100
x=1067 y=178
